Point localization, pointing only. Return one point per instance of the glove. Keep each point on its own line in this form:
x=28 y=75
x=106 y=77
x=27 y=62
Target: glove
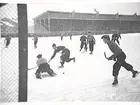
x=110 y=58
x=114 y=59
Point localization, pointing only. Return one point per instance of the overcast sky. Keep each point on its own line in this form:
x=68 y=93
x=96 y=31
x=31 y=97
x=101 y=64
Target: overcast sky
x=37 y=7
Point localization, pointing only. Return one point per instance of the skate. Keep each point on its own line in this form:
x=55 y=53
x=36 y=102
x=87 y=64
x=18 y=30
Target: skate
x=51 y=72
x=38 y=75
x=84 y=51
x=74 y=59
x=35 y=47
x=54 y=74
x=115 y=82
x=61 y=67
x=51 y=75
x=135 y=73
x=90 y=53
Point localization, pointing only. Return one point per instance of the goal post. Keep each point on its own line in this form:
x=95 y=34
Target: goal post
x=13 y=56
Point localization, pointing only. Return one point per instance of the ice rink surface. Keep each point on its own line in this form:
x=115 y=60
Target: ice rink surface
x=89 y=78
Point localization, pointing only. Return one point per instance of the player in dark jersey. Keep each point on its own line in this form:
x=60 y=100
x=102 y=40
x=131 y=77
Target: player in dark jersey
x=7 y=41
x=83 y=40
x=70 y=36
x=35 y=41
x=91 y=42
x=115 y=37
x=65 y=57
x=118 y=56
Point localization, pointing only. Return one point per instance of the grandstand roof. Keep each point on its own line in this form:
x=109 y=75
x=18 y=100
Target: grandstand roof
x=86 y=16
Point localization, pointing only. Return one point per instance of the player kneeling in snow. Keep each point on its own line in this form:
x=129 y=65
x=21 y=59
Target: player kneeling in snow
x=43 y=66
x=118 y=56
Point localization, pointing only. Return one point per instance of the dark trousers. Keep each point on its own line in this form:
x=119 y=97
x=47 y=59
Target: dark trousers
x=35 y=43
x=70 y=37
x=61 y=37
x=45 y=67
x=91 y=46
x=83 y=44
x=65 y=56
x=121 y=62
x=7 y=43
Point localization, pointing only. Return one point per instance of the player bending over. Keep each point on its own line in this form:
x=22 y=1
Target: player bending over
x=118 y=56
x=7 y=41
x=65 y=57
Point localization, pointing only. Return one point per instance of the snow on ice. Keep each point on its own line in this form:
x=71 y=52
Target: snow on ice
x=89 y=78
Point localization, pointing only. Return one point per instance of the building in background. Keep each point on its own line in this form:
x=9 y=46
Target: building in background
x=10 y=27
x=56 y=23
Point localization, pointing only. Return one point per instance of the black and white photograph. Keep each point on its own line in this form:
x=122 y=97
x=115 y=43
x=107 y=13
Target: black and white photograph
x=69 y=51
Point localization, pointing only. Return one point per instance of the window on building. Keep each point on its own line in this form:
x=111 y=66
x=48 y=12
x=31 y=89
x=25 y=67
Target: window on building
x=46 y=24
x=42 y=22
x=38 y=24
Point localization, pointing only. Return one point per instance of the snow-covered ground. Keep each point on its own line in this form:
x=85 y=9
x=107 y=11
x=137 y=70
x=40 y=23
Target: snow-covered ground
x=89 y=78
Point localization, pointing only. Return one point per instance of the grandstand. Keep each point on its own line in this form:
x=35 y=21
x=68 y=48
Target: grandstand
x=56 y=23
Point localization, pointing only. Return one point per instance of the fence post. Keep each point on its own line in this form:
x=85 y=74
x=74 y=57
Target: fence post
x=23 y=51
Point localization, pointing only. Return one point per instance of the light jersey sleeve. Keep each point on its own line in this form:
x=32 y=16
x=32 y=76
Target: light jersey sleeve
x=115 y=49
x=41 y=61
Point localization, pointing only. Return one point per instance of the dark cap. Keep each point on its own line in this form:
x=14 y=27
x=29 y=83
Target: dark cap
x=39 y=56
x=105 y=37
x=53 y=44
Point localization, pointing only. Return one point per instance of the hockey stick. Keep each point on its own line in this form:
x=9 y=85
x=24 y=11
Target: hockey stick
x=105 y=56
x=32 y=68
